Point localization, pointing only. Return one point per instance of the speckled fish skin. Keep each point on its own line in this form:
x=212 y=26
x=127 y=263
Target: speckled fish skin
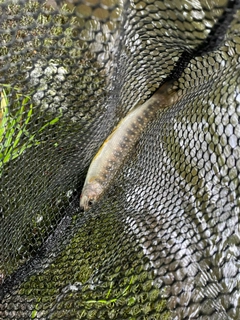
x=120 y=142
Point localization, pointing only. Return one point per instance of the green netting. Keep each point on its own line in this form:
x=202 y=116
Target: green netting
x=163 y=240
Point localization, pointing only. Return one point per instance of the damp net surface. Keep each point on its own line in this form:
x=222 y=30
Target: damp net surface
x=163 y=240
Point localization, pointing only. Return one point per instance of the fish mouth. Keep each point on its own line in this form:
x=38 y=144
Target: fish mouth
x=85 y=202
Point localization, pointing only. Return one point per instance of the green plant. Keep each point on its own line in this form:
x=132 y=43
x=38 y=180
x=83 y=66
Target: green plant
x=109 y=300
x=15 y=136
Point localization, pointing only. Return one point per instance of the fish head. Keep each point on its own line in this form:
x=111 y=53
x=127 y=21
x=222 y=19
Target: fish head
x=90 y=194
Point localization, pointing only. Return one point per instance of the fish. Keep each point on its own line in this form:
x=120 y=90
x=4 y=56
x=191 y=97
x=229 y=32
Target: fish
x=119 y=144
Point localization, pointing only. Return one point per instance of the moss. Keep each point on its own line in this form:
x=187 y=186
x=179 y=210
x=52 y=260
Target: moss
x=74 y=285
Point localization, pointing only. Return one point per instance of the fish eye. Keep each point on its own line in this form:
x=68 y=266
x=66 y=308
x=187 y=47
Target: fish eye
x=90 y=202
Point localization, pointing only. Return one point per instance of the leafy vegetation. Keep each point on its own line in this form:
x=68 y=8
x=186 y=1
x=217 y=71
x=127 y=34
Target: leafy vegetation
x=15 y=136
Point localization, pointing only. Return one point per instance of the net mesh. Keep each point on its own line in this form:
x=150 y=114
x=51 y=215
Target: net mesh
x=163 y=240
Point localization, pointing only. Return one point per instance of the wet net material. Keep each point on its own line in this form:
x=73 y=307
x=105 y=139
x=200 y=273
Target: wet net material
x=163 y=240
